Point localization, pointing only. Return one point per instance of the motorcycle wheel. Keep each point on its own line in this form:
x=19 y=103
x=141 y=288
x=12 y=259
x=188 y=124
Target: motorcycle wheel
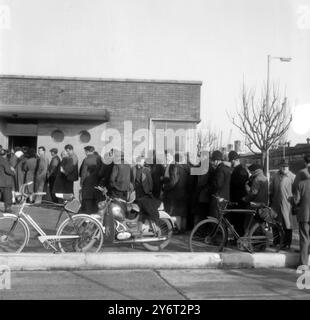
x=165 y=230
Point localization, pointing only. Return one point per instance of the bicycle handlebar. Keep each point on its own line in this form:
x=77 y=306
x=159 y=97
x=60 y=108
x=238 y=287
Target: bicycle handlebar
x=219 y=199
x=26 y=195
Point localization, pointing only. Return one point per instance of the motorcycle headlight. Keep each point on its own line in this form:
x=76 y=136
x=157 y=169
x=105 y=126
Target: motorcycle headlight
x=117 y=212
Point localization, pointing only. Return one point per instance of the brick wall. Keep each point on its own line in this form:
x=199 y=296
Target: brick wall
x=132 y=100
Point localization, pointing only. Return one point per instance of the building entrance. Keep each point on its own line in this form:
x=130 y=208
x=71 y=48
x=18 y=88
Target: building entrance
x=22 y=141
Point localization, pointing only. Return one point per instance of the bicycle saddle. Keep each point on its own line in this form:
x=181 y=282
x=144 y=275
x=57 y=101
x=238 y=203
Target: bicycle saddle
x=65 y=196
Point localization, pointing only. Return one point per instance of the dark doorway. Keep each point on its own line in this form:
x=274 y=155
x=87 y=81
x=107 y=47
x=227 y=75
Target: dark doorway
x=21 y=141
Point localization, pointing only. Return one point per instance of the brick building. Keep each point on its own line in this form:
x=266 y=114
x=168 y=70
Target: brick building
x=294 y=154
x=54 y=111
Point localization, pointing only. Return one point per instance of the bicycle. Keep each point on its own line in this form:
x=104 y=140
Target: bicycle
x=211 y=234
x=77 y=233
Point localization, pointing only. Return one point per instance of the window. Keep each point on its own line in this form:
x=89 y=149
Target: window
x=171 y=134
x=57 y=136
x=85 y=136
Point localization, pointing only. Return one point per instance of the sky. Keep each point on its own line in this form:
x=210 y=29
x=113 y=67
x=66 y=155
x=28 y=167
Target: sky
x=222 y=43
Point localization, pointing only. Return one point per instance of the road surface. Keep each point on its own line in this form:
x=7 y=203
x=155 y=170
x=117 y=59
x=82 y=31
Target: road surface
x=156 y=284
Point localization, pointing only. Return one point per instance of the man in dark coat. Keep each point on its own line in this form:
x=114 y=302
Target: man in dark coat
x=71 y=171
x=302 y=173
x=52 y=171
x=143 y=185
x=257 y=188
x=220 y=183
x=302 y=200
x=238 y=180
x=62 y=184
x=89 y=174
x=156 y=165
x=6 y=174
x=41 y=173
x=120 y=177
x=175 y=190
x=106 y=169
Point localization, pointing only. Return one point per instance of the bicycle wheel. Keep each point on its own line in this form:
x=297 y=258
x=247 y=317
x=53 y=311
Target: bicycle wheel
x=13 y=240
x=208 y=236
x=258 y=238
x=85 y=234
x=165 y=230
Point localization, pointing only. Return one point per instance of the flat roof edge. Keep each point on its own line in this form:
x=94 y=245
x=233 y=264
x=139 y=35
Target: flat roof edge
x=11 y=76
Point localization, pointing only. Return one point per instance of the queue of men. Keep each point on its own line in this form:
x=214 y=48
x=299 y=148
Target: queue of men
x=286 y=194
x=187 y=198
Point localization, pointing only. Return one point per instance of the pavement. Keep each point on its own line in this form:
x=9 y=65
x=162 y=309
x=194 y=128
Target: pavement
x=154 y=284
x=175 y=256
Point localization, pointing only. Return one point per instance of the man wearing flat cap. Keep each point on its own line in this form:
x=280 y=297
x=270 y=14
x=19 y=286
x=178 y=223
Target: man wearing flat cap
x=239 y=178
x=52 y=172
x=257 y=188
x=6 y=174
x=281 y=199
x=220 y=184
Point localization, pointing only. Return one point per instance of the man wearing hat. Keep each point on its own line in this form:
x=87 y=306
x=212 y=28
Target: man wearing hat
x=281 y=196
x=220 y=184
x=52 y=172
x=303 y=173
x=257 y=187
x=6 y=174
x=239 y=178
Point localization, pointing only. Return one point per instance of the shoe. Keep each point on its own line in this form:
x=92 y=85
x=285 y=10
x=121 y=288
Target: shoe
x=8 y=210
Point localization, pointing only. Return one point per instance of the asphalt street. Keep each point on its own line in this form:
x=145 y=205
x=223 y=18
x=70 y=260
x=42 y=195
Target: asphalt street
x=156 y=284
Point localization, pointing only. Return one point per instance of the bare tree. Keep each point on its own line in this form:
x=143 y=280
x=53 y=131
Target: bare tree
x=262 y=124
x=206 y=139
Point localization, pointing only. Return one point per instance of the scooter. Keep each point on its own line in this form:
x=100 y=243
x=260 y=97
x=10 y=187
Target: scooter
x=122 y=223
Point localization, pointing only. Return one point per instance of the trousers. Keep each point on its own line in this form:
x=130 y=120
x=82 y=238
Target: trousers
x=7 y=196
x=304 y=240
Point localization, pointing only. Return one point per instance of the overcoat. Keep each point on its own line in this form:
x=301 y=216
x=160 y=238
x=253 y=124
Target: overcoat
x=30 y=169
x=281 y=196
x=238 y=180
x=6 y=173
x=258 y=188
x=302 y=199
x=62 y=184
x=147 y=182
x=18 y=165
x=175 y=189
x=89 y=174
x=157 y=172
x=220 y=183
x=120 y=177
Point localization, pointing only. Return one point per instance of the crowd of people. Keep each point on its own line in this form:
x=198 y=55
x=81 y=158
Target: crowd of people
x=188 y=198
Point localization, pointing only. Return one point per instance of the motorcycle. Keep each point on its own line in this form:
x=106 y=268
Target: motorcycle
x=122 y=223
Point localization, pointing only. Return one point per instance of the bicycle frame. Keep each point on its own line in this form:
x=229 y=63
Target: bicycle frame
x=231 y=228
x=43 y=238
x=225 y=222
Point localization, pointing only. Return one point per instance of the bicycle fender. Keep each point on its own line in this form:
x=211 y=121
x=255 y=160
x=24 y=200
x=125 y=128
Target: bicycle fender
x=165 y=215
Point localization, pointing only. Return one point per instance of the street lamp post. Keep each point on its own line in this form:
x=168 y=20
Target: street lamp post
x=282 y=59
